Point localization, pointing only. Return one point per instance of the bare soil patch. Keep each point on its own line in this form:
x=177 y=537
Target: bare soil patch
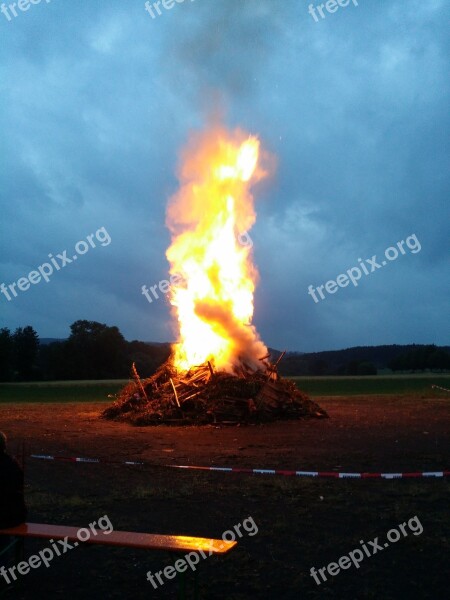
x=302 y=523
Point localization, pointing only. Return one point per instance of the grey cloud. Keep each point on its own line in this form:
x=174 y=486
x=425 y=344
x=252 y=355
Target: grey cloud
x=98 y=98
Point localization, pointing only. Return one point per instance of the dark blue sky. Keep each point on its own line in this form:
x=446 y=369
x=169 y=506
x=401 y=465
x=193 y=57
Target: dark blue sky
x=97 y=99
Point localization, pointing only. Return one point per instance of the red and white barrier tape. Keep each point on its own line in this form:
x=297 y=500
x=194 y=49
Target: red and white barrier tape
x=437 y=387
x=333 y=474
x=85 y=460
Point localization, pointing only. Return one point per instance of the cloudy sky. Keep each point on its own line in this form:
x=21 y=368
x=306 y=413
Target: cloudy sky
x=98 y=98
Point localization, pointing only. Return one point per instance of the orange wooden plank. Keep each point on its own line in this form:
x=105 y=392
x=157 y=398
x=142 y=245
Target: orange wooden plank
x=128 y=539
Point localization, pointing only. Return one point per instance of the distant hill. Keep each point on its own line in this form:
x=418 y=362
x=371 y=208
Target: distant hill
x=360 y=360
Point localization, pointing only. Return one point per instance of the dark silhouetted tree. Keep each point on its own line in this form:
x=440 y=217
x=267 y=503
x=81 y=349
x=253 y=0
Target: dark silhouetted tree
x=438 y=360
x=366 y=368
x=97 y=351
x=397 y=364
x=55 y=361
x=6 y=355
x=318 y=367
x=148 y=357
x=26 y=348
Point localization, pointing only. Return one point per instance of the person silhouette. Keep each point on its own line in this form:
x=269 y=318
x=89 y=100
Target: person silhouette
x=13 y=510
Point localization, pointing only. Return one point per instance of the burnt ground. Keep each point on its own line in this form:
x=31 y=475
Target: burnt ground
x=301 y=522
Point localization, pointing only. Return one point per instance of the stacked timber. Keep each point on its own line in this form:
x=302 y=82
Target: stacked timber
x=203 y=395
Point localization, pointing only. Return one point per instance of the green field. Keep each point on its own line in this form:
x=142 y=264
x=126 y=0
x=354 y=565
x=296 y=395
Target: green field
x=419 y=385
x=97 y=391
x=61 y=391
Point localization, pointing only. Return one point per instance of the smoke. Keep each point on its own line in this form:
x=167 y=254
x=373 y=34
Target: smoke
x=247 y=345
x=221 y=48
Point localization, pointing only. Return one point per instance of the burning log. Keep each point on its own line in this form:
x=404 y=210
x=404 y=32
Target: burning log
x=175 y=393
x=138 y=380
x=245 y=397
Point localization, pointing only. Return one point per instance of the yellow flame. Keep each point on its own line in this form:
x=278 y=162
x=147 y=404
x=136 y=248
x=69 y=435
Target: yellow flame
x=214 y=302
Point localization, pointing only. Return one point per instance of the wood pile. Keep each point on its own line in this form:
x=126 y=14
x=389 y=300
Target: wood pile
x=202 y=396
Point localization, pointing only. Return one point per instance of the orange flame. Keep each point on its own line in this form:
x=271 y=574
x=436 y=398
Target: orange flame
x=214 y=302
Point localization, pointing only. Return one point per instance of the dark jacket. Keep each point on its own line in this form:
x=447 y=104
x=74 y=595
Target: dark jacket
x=12 y=503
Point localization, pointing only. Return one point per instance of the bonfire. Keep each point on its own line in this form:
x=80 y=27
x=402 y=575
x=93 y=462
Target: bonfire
x=220 y=369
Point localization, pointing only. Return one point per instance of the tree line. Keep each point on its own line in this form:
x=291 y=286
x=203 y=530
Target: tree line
x=367 y=360
x=92 y=351
x=421 y=359
x=96 y=351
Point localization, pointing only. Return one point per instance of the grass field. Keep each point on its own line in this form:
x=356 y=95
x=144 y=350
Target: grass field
x=60 y=391
x=98 y=391
x=419 y=385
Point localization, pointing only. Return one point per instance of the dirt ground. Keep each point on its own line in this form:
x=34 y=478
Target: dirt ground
x=301 y=522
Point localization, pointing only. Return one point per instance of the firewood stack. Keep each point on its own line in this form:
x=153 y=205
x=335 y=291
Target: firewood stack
x=203 y=396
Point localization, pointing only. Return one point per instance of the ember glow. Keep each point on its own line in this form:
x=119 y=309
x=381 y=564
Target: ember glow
x=214 y=304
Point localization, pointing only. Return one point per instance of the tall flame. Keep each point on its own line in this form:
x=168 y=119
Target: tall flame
x=213 y=206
